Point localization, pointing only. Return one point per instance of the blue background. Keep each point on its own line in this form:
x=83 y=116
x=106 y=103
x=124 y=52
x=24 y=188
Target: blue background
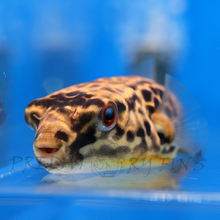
x=81 y=45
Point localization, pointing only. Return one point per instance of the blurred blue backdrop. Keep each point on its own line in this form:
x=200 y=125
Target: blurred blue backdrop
x=77 y=41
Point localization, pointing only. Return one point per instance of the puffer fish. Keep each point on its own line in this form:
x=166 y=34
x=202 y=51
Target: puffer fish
x=117 y=118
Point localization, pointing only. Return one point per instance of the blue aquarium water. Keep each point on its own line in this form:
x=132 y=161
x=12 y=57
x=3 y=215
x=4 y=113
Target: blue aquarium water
x=49 y=45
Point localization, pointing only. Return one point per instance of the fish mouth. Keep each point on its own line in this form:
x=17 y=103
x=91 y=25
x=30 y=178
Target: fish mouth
x=48 y=150
x=50 y=156
x=45 y=151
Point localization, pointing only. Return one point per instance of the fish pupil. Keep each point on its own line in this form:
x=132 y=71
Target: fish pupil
x=109 y=115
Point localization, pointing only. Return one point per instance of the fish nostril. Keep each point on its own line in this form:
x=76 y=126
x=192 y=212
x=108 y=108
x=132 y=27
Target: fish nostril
x=61 y=135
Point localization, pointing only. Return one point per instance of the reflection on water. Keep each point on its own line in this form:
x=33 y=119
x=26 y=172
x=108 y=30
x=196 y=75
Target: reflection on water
x=136 y=180
x=166 y=176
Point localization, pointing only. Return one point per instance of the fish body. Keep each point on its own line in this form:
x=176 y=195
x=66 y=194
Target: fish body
x=117 y=118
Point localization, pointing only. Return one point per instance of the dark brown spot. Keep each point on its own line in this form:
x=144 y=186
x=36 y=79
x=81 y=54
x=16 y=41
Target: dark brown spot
x=130 y=136
x=106 y=150
x=78 y=93
x=121 y=107
x=154 y=90
x=156 y=102
x=61 y=135
x=150 y=108
x=88 y=96
x=147 y=95
x=147 y=127
x=63 y=110
x=85 y=118
x=73 y=93
x=119 y=132
x=78 y=100
x=163 y=138
x=76 y=127
x=135 y=97
x=97 y=102
x=130 y=104
x=140 y=132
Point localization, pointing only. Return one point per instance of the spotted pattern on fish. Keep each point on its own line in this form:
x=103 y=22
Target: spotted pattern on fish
x=68 y=122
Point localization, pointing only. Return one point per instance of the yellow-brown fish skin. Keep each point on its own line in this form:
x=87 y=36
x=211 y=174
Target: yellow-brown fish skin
x=70 y=130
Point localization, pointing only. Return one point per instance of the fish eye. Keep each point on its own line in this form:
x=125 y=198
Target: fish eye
x=108 y=118
x=109 y=115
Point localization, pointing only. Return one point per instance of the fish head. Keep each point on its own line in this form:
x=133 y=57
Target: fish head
x=73 y=127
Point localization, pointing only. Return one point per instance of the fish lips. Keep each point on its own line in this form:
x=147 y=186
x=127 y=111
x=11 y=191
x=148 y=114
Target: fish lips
x=49 y=154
